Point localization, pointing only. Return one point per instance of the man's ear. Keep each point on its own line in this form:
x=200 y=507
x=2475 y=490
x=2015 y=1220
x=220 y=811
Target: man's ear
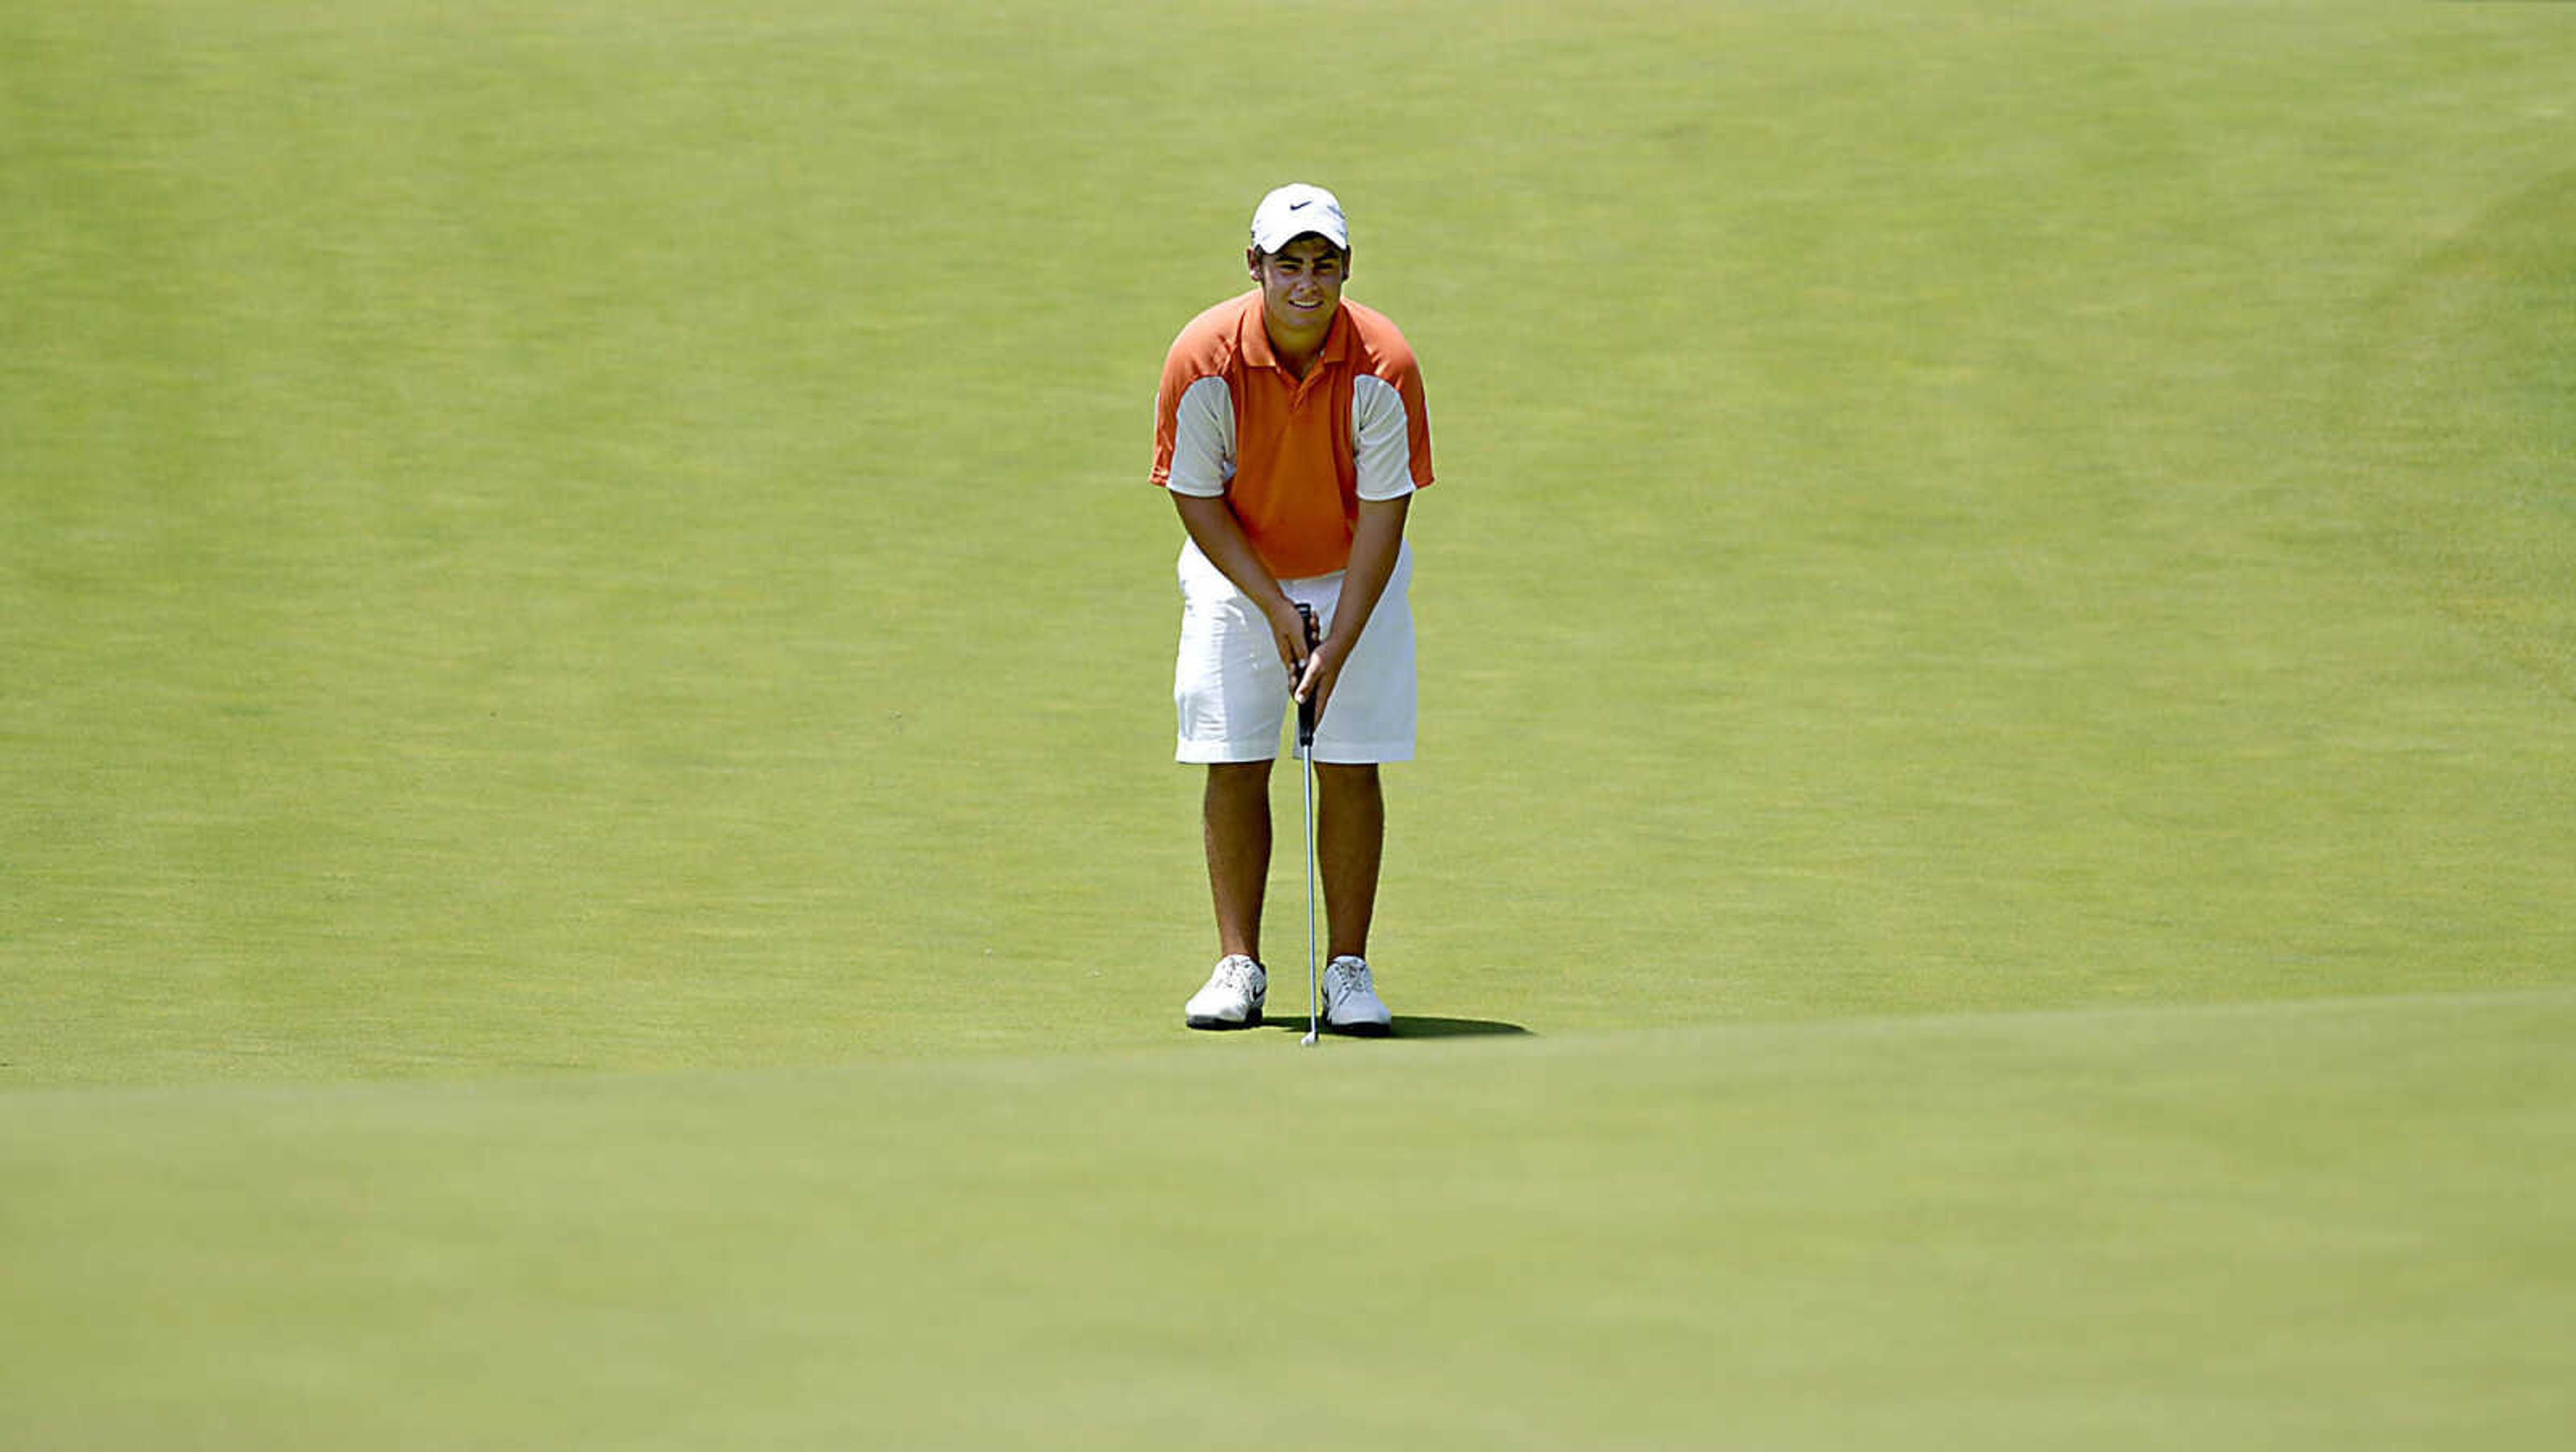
x=1252 y=262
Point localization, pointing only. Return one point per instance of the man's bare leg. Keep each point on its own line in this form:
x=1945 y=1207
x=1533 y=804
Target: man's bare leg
x=1235 y=810
x=1349 y=840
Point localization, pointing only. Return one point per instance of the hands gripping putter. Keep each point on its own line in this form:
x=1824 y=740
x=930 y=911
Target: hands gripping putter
x=1306 y=758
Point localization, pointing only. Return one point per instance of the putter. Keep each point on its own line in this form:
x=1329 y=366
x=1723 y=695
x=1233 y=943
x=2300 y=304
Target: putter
x=1306 y=754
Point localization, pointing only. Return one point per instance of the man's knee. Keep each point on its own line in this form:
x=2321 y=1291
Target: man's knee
x=1346 y=781
x=1238 y=785
x=1238 y=775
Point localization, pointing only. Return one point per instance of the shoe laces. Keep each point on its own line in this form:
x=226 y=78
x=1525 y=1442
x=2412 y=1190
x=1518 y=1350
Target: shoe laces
x=1238 y=972
x=1349 y=975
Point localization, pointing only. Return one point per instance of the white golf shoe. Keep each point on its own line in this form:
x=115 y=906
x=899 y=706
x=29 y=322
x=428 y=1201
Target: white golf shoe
x=1351 y=1003
x=1232 y=997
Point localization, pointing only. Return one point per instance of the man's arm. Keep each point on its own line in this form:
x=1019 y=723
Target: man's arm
x=1374 y=543
x=1219 y=536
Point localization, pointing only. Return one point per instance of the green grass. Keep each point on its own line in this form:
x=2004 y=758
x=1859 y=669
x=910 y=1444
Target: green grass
x=2318 y=1226
x=578 y=606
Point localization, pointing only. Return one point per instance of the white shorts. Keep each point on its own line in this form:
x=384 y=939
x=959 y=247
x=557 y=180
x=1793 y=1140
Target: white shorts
x=1233 y=694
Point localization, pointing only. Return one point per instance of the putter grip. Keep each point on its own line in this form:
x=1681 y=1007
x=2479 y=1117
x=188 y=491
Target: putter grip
x=1306 y=708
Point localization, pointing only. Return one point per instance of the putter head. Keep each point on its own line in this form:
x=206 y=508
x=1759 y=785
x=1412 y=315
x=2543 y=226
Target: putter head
x=1309 y=1039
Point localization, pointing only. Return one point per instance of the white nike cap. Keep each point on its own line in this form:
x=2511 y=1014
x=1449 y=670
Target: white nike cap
x=1295 y=210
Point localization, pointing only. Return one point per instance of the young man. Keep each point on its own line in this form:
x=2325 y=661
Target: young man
x=1290 y=433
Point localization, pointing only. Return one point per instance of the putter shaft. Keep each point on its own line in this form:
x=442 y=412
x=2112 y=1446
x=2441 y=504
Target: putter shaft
x=1306 y=756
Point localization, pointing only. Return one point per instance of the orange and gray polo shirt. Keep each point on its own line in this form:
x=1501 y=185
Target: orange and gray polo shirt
x=1292 y=456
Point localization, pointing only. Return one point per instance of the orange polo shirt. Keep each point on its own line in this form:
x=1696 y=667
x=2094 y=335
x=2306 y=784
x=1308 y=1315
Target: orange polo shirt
x=1292 y=456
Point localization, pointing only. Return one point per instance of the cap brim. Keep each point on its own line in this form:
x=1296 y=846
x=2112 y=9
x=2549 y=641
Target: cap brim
x=1276 y=243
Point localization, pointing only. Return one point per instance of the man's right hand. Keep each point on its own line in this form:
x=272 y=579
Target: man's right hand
x=1288 y=631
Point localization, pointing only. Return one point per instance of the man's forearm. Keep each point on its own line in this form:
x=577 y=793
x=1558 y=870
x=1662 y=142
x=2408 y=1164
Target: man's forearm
x=1220 y=537
x=1375 y=543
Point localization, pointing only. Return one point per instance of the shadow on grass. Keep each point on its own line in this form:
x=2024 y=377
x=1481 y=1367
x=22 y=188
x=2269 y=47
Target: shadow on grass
x=1415 y=1026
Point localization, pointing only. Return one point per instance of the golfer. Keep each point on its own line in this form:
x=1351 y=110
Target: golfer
x=1289 y=432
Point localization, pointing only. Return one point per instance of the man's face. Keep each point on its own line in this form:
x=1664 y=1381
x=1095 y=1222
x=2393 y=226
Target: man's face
x=1301 y=285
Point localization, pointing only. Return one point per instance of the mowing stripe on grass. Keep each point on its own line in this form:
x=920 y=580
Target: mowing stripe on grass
x=2299 y=1225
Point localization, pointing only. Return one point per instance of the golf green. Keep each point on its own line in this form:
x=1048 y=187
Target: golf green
x=588 y=853
x=2285 y=1226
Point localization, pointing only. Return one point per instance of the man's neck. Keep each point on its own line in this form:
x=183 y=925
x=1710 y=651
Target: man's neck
x=1298 y=354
